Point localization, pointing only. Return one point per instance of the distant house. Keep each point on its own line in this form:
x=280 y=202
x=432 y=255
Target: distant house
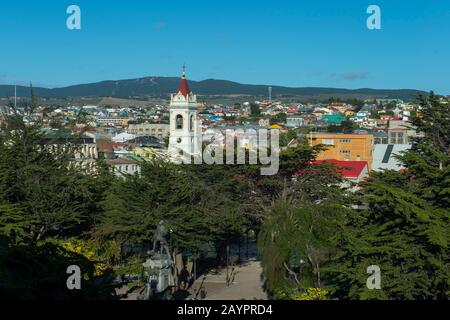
x=122 y=166
x=86 y=146
x=160 y=130
x=370 y=123
x=123 y=137
x=361 y=116
x=387 y=101
x=105 y=149
x=292 y=109
x=264 y=122
x=215 y=118
x=384 y=156
x=344 y=147
x=149 y=153
x=398 y=132
x=275 y=126
x=349 y=112
x=320 y=111
x=355 y=171
x=112 y=121
x=335 y=119
x=145 y=141
x=295 y=121
x=232 y=113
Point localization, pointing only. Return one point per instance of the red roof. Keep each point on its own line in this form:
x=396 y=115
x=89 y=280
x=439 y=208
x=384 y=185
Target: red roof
x=118 y=144
x=105 y=146
x=184 y=87
x=348 y=169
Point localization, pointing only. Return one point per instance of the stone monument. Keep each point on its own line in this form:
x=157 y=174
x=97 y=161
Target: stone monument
x=159 y=266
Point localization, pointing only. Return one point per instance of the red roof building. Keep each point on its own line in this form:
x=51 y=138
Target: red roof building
x=292 y=109
x=352 y=170
x=106 y=148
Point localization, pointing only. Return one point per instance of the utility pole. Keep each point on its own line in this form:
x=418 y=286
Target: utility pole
x=15 y=96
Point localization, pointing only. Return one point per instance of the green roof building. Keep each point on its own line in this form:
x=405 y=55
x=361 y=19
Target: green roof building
x=334 y=119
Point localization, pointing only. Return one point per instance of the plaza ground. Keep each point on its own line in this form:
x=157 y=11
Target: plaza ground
x=246 y=285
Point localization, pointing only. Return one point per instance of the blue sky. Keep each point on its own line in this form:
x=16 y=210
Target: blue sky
x=294 y=43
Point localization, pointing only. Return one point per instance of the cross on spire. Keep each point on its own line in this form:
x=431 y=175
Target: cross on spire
x=184 y=69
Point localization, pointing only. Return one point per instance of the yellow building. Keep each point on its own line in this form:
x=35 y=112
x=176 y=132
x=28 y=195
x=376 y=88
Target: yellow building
x=275 y=126
x=349 y=112
x=351 y=147
x=145 y=153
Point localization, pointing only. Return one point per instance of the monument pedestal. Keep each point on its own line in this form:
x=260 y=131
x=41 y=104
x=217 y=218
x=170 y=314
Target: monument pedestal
x=160 y=277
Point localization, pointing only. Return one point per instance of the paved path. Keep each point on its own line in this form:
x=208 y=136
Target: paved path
x=246 y=285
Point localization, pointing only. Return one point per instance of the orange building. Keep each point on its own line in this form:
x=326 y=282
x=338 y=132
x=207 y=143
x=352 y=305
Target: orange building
x=350 y=147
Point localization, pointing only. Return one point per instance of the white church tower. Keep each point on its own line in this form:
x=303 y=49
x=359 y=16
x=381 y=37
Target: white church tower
x=183 y=138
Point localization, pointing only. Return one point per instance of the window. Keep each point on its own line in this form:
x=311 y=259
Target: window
x=191 y=123
x=345 y=140
x=179 y=121
x=400 y=138
x=344 y=151
x=329 y=142
x=393 y=136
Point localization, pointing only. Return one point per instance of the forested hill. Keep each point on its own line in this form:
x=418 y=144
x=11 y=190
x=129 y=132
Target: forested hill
x=163 y=86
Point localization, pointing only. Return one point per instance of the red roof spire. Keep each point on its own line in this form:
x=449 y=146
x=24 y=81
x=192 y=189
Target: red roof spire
x=184 y=87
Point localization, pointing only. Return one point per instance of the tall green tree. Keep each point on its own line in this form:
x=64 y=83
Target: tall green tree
x=195 y=201
x=405 y=228
x=297 y=244
x=297 y=239
x=39 y=177
x=44 y=194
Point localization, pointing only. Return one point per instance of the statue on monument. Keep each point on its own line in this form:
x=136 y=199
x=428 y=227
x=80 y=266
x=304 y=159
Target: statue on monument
x=159 y=266
x=161 y=239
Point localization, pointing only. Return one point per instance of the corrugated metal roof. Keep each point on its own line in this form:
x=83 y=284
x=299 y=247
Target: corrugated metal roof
x=384 y=156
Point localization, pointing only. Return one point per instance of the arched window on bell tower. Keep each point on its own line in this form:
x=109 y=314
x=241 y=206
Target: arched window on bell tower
x=191 y=123
x=179 y=122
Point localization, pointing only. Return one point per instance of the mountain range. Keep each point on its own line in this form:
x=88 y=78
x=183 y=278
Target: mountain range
x=162 y=87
